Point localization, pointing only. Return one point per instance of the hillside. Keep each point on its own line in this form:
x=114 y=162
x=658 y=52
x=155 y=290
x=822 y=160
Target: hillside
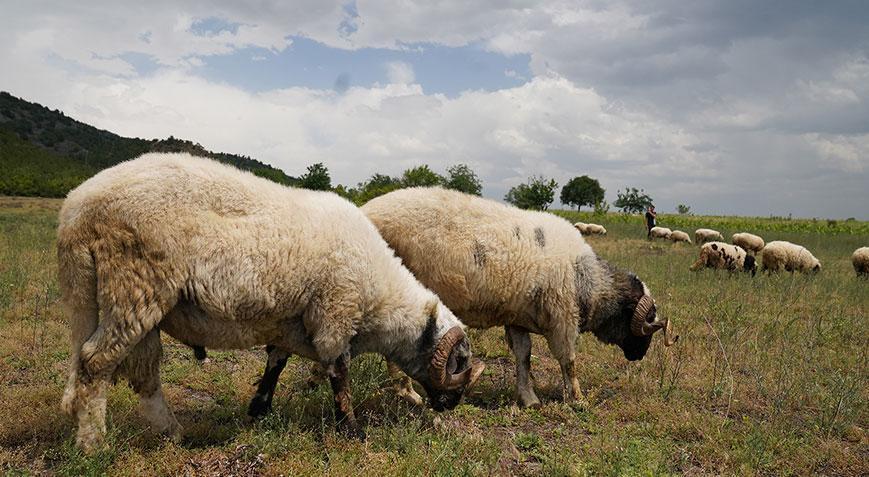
x=43 y=152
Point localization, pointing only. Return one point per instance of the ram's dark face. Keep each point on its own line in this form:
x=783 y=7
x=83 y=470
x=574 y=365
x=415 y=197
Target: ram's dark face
x=636 y=320
x=450 y=369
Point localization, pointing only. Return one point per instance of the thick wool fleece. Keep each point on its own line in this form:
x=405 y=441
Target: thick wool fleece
x=496 y=265
x=220 y=258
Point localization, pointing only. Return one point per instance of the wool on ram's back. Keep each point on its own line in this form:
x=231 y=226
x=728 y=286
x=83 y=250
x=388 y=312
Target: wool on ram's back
x=496 y=265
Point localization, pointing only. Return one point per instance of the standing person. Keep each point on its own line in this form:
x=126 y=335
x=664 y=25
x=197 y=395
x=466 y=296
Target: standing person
x=651 y=216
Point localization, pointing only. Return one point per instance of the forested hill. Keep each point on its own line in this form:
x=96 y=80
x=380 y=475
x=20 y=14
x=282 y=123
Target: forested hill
x=45 y=153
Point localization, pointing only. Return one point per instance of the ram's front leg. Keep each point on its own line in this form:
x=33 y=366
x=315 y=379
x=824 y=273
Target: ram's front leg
x=339 y=378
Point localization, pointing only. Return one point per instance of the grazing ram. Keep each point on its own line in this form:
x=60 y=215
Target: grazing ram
x=217 y=257
x=530 y=272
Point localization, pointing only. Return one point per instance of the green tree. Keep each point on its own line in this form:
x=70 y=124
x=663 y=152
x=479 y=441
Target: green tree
x=683 y=209
x=581 y=191
x=536 y=194
x=317 y=178
x=632 y=201
x=377 y=185
x=462 y=178
x=421 y=176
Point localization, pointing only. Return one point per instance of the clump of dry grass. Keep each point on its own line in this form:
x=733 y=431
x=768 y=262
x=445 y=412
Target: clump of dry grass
x=769 y=377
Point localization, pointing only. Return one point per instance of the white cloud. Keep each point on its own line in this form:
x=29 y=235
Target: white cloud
x=399 y=72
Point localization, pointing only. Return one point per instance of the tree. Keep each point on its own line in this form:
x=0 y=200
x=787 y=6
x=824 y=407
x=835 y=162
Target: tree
x=421 y=176
x=536 y=194
x=378 y=185
x=462 y=178
x=632 y=201
x=581 y=191
x=317 y=178
x=683 y=209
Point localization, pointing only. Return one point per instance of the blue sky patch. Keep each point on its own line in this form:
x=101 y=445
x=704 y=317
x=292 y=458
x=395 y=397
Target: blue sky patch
x=307 y=63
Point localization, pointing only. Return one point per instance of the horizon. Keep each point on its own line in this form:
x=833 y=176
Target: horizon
x=735 y=109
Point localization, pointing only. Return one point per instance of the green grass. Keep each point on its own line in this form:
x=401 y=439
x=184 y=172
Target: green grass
x=769 y=378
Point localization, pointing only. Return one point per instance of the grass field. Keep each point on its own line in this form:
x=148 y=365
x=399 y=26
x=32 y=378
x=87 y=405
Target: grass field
x=769 y=377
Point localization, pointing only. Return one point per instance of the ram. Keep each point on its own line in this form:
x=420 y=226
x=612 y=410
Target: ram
x=726 y=257
x=219 y=258
x=530 y=272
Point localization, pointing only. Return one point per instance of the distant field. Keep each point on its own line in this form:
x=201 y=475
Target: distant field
x=769 y=377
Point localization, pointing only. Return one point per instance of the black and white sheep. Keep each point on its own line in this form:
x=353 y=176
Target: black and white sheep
x=725 y=257
x=220 y=258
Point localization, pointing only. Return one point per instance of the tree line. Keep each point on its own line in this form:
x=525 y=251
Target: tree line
x=537 y=193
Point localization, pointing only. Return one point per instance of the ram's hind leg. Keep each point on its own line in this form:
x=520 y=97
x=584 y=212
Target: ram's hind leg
x=130 y=308
x=339 y=378
x=519 y=342
x=142 y=370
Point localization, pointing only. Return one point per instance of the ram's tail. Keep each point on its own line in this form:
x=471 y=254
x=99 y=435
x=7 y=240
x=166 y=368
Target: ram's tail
x=78 y=288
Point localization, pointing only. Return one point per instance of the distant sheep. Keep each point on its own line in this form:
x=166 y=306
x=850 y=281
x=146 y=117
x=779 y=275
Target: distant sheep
x=780 y=255
x=860 y=260
x=660 y=232
x=750 y=242
x=680 y=236
x=582 y=227
x=702 y=236
x=595 y=229
x=725 y=257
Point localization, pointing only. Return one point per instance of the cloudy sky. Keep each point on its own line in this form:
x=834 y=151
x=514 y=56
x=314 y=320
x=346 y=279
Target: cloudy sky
x=732 y=107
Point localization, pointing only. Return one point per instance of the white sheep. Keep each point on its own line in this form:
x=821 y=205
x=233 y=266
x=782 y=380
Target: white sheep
x=680 y=236
x=780 y=255
x=750 y=242
x=860 y=260
x=496 y=265
x=582 y=227
x=726 y=257
x=595 y=229
x=660 y=232
x=702 y=236
x=220 y=258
